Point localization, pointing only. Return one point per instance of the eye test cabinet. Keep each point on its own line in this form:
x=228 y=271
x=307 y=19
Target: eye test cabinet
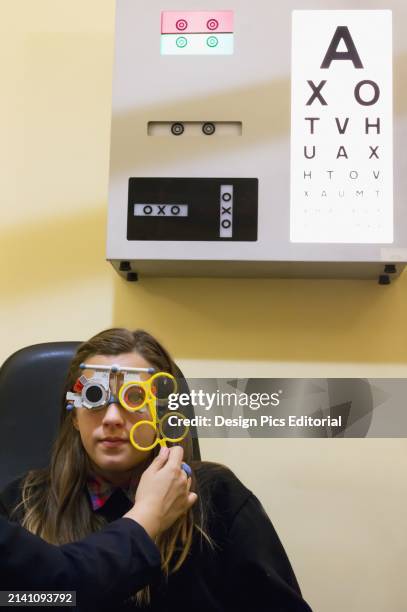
x=261 y=139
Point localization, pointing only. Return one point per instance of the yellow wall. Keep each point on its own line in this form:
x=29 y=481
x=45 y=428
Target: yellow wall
x=336 y=504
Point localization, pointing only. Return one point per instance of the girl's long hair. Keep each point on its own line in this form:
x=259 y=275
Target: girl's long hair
x=55 y=503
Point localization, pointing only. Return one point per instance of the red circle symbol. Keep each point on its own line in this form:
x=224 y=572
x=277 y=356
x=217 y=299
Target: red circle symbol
x=212 y=24
x=181 y=24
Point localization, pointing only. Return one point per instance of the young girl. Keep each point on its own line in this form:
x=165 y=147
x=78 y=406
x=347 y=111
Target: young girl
x=223 y=555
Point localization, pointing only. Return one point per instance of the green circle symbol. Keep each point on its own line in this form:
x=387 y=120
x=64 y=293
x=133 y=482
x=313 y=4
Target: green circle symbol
x=181 y=42
x=212 y=41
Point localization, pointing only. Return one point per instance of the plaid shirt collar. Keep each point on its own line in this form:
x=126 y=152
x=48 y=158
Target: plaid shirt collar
x=100 y=490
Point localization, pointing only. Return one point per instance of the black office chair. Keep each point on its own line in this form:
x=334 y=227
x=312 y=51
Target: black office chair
x=31 y=389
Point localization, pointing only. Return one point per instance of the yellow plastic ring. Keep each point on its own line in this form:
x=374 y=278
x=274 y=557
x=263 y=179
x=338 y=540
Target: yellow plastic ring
x=162 y=375
x=167 y=416
x=133 y=430
x=127 y=385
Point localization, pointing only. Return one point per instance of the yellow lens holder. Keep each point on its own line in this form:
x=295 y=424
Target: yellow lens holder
x=151 y=399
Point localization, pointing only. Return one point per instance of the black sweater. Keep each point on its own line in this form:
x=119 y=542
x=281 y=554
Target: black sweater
x=113 y=560
x=247 y=570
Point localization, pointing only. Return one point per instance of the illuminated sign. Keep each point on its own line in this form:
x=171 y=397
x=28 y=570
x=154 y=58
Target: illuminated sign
x=197 y=33
x=341 y=127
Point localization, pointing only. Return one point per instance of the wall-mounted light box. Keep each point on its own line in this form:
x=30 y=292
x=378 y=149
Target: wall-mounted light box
x=257 y=141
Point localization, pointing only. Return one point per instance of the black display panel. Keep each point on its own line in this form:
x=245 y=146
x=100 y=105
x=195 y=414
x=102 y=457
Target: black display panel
x=197 y=209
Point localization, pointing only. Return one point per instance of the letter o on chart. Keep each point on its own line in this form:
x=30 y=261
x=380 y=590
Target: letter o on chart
x=376 y=93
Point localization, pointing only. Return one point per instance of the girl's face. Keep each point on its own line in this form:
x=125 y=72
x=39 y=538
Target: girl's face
x=105 y=432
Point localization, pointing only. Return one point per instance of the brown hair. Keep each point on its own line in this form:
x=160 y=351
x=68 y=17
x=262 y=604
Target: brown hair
x=55 y=502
